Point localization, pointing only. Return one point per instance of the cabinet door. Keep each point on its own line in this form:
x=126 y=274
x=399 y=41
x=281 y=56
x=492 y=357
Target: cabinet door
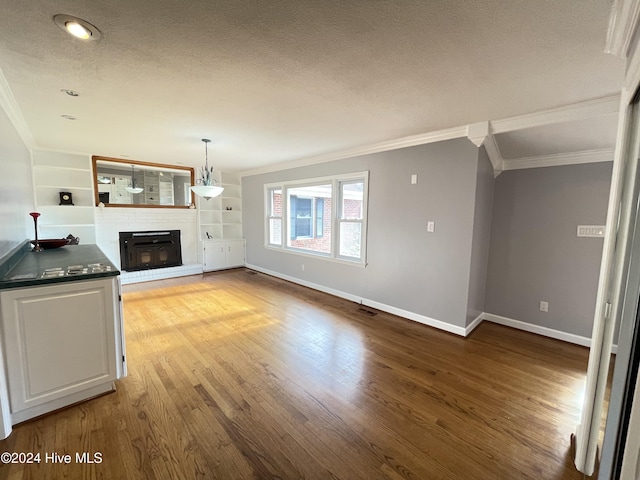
x=235 y=253
x=214 y=256
x=59 y=341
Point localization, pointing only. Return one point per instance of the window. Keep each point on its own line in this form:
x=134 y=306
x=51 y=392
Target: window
x=351 y=218
x=274 y=216
x=323 y=217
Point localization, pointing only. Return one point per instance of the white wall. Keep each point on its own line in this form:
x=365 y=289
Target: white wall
x=16 y=188
x=111 y=221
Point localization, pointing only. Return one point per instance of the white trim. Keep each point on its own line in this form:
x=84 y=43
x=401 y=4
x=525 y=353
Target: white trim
x=336 y=223
x=577 y=111
x=623 y=20
x=58 y=403
x=495 y=157
x=10 y=106
x=544 y=331
x=478 y=132
x=127 y=278
x=472 y=326
x=411 y=141
x=571 y=158
x=431 y=322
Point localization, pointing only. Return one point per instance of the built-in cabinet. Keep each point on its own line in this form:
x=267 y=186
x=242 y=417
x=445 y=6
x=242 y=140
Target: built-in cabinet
x=220 y=254
x=221 y=217
x=53 y=173
x=64 y=343
x=220 y=225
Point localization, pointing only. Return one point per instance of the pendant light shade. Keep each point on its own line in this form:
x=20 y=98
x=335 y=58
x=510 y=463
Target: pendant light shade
x=206 y=185
x=132 y=188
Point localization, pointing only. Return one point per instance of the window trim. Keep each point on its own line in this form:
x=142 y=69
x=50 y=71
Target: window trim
x=269 y=216
x=336 y=181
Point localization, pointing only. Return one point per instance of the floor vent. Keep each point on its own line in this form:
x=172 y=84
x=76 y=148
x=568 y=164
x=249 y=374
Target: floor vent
x=368 y=312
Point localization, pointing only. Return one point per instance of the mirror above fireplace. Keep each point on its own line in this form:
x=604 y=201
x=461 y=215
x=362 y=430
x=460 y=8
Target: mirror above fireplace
x=132 y=183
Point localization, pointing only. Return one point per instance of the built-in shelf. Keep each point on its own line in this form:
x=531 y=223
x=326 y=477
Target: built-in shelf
x=56 y=172
x=221 y=217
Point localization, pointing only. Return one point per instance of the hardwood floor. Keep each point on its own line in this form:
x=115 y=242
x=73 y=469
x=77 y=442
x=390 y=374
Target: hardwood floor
x=236 y=375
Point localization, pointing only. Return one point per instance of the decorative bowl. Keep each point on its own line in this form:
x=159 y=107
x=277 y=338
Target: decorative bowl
x=49 y=243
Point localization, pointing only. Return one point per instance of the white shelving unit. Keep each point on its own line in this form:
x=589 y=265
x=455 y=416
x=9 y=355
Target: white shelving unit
x=220 y=224
x=210 y=216
x=61 y=172
x=231 y=199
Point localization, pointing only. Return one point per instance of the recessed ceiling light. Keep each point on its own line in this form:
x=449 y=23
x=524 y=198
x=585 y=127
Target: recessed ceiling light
x=77 y=27
x=68 y=117
x=71 y=93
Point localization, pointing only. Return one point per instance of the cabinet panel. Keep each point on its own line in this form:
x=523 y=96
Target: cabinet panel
x=223 y=254
x=215 y=257
x=60 y=340
x=235 y=254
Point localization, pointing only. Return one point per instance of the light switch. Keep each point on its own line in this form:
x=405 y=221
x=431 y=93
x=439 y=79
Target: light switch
x=431 y=227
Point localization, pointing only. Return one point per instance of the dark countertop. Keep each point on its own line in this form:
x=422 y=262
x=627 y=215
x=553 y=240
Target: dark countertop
x=29 y=266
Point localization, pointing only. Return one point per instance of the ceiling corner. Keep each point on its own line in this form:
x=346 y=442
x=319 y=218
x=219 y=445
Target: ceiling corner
x=623 y=22
x=9 y=105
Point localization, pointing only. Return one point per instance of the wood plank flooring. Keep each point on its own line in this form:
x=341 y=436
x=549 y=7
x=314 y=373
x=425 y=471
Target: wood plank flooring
x=237 y=375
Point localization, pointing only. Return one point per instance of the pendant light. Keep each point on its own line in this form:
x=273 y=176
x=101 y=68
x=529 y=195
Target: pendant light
x=206 y=186
x=132 y=188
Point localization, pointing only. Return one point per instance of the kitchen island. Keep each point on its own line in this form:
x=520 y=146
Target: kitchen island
x=62 y=330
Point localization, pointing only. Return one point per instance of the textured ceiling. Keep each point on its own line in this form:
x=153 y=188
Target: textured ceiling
x=276 y=80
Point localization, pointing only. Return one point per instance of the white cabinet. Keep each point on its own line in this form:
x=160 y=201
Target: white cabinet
x=62 y=342
x=220 y=225
x=218 y=255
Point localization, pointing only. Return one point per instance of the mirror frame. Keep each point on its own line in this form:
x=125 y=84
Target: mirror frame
x=94 y=165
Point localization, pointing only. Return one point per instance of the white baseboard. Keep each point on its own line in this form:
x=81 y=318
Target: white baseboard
x=472 y=326
x=432 y=322
x=140 y=276
x=544 y=331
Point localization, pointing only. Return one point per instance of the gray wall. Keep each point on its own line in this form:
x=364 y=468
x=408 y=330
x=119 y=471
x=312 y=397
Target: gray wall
x=408 y=268
x=535 y=253
x=16 y=188
x=481 y=237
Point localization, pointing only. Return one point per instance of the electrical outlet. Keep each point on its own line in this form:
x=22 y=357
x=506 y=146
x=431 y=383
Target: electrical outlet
x=544 y=306
x=303 y=267
x=414 y=178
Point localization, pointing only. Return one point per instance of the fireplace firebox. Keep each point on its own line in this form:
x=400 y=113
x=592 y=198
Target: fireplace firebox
x=146 y=250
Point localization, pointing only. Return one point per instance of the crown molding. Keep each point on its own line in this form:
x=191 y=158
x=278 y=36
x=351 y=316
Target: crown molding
x=577 y=111
x=482 y=133
x=495 y=157
x=573 y=158
x=623 y=21
x=478 y=132
x=411 y=141
x=12 y=110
